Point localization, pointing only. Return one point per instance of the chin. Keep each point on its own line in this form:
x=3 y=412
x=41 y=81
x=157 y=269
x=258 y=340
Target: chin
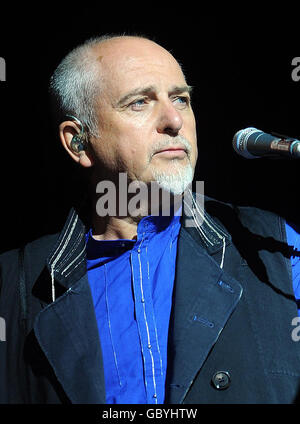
x=175 y=181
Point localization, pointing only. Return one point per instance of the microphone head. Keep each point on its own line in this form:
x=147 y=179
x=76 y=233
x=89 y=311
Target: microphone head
x=252 y=143
x=240 y=141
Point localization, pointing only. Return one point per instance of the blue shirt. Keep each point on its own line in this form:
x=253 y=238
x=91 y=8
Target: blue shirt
x=293 y=239
x=132 y=283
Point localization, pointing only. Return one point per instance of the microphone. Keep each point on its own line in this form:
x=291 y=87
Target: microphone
x=252 y=143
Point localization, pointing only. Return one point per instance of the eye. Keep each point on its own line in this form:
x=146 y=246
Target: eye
x=182 y=100
x=138 y=104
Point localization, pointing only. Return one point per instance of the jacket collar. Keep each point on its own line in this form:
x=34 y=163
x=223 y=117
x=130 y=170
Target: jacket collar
x=67 y=260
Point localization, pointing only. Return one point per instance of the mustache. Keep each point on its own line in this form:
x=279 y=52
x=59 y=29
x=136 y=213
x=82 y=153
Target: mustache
x=179 y=140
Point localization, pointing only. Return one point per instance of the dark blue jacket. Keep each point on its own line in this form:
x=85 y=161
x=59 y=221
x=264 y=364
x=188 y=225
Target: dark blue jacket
x=234 y=322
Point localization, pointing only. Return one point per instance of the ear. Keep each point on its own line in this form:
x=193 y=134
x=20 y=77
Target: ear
x=68 y=130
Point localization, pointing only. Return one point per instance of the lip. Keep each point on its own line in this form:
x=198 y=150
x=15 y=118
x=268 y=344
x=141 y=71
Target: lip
x=172 y=153
x=173 y=150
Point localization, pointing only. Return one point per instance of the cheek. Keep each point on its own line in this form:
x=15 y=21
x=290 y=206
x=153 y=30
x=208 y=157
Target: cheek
x=191 y=128
x=132 y=141
x=132 y=152
x=191 y=134
x=123 y=143
x=103 y=151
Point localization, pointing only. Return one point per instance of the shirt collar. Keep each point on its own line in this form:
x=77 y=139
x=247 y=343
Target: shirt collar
x=157 y=224
x=148 y=226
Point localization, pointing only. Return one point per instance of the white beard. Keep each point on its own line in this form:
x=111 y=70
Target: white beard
x=177 y=181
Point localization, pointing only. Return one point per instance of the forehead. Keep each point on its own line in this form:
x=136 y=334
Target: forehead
x=130 y=63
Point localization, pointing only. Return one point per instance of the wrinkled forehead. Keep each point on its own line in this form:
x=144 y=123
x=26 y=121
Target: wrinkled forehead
x=130 y=62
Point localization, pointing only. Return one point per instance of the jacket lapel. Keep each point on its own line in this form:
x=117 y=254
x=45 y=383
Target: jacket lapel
x=68 y=335
x=204 y=297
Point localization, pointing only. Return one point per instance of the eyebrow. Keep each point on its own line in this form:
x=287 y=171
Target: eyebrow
x=144 y=91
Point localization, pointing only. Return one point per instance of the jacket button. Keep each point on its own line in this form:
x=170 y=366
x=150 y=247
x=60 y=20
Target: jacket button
x=221 y=380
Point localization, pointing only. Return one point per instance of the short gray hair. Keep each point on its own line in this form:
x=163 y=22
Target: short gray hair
x=75 y=84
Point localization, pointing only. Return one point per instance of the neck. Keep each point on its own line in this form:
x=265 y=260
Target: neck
x=115 y=226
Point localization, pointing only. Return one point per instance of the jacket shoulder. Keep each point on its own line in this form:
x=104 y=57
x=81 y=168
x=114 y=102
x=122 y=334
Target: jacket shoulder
x=250 y=218
x=38 y=247
x=35 y=254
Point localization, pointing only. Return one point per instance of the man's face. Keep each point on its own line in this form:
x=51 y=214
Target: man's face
x=146 y=123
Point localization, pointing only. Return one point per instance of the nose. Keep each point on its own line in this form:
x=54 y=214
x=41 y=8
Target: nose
x=170 y=120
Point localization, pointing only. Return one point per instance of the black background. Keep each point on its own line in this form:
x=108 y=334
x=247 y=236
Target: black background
x=240 y=65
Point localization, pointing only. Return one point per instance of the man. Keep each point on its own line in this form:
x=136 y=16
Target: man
x=137 y=306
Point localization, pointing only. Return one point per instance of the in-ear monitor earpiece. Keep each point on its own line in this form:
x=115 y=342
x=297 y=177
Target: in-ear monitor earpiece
x=78 y=142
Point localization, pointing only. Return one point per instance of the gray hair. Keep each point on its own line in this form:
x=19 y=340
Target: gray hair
x=75 y=84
